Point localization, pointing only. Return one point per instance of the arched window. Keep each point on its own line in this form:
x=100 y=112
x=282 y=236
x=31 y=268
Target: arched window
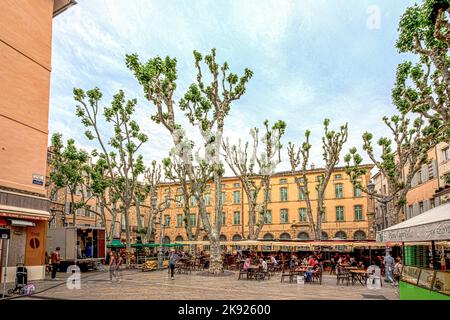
x=303 y=236
x=223 y=237
x=237 y=237
x=285 y=236
x=268 y=236
x=341 y=235
x=206 y=238
x=324 y=235
x=359 y=235
x=178 y=238
x=166 y=239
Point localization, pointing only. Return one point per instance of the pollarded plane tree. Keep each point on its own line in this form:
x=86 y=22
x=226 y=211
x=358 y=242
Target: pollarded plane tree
x=70 y=169
x=206 y=107
x=120 y=151
x=255 y=170
x=424 y=87
x=332 y=143
x=402 y=156
x=175 y=171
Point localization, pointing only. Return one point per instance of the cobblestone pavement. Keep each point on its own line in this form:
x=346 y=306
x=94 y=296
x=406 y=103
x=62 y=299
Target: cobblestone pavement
x=156 y=285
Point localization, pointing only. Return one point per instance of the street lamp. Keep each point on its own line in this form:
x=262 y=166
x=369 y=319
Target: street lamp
x=160 y=253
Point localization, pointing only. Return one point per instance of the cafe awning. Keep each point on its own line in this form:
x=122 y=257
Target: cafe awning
x=22 y=223
x=433 y=224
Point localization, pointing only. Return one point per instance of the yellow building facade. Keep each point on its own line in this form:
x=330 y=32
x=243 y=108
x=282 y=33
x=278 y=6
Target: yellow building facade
x=348 y=211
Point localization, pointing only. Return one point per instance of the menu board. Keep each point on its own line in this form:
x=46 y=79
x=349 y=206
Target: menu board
x=410 y=274
x=426 y=278
x=442 y=282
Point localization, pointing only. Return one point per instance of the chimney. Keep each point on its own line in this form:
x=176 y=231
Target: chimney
x=312 y=166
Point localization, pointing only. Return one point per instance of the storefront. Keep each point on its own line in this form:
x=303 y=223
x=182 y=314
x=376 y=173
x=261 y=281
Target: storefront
x=425 y=238
x=26 y=243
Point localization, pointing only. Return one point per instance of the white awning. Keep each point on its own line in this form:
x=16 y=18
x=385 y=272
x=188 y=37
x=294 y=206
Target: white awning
x=433 y=224
x=22 y=223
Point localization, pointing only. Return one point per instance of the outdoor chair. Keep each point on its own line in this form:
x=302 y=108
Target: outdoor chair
x=289 y=274
x=343 y=275
x=317 y=276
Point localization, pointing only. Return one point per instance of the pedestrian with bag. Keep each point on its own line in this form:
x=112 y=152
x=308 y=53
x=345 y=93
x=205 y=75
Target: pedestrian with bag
x=55 y=258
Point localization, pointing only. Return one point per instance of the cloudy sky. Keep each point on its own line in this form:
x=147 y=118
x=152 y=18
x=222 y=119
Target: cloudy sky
x=311 y=60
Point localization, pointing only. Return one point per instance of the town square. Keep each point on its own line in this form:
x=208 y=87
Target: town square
x=224 y=150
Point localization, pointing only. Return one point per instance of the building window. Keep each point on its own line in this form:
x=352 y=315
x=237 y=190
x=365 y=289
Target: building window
x=236 y=197
x=339 y=213
x=357 y=192
x=179 y=220
x=268 y=217
x=222 y=195
x=224 y=218
x=319 y=178
x=87 y=211
x=166 y=220
x=324 y=235
x=208 y=199
x=208 y=217
x=359 y=235
x=237 y=237
x=192 y=201
x=411 y=211
x=430 y=171
x=284 y=216
x=268 y=196
x=179 y=201
x=283 y=181
x=358 y=213
x=419 y=176
x=268 y=236
x=420 y=207
x=193 y=219
x=237 y=218
x=283 y=194
x=341 y=235
x=167 y=201
x=301 y=193
x=237 y=185
x=303 y=236
x=446 y=153
x=338 y=177
x=302 y=215
x=339 y=188
x=285 y=236
x=322 y=214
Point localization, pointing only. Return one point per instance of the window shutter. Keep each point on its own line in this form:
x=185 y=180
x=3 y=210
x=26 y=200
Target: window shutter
x=414 y=181
x=436 y=201
x=434 y=168
x=424 y=173
x=426 y=205
x=415 y=209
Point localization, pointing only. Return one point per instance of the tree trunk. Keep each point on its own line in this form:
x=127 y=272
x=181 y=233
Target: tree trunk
x=215 y=263
x=112 y=230
x=127 y=234
x=138 y=214
x=72 y=211
x=151 y=227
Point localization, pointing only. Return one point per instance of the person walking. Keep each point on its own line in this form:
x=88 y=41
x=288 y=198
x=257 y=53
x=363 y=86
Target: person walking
x=173 y=258
x=388 y=267
x=112 y=265
x=55 y=258
x=119 y=264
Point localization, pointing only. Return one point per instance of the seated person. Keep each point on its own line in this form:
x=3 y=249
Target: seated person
x=246 y=264
x=264 y=264
x=274 y=261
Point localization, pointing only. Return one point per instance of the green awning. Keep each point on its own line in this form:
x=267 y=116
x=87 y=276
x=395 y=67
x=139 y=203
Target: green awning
x=116 y=243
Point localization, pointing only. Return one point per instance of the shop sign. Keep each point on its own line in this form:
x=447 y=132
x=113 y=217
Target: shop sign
x=38 y=179
x=4 y=233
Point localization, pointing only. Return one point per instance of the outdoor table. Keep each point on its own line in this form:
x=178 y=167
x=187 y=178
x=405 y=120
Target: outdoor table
x=360 y=275
x=351 y=268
